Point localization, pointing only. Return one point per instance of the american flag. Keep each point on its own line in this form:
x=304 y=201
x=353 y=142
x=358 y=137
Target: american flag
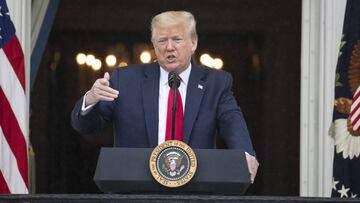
x=13 y=122
x=346 y=168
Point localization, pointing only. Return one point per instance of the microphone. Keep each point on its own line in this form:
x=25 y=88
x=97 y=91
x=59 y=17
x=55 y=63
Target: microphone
x=174 y=83
x=173 y=80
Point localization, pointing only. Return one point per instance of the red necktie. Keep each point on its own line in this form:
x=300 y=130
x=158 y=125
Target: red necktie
x=179 y=117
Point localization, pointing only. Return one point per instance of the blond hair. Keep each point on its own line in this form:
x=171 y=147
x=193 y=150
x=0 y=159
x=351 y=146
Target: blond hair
x=174 y=18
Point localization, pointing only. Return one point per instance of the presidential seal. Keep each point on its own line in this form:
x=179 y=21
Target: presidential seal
x=173 y=163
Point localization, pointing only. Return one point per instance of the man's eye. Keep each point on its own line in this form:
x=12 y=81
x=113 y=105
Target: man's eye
x=162 y=41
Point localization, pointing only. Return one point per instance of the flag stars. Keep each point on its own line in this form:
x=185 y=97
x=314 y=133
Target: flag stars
x=334 y=183
x=1 y=14
x=353 y=195
x=343 y=191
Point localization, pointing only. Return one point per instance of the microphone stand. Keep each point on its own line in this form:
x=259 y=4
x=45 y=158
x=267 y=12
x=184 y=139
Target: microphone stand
x=175 y=88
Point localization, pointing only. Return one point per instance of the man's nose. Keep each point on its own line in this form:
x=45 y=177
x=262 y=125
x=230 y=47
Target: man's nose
x=170 y=45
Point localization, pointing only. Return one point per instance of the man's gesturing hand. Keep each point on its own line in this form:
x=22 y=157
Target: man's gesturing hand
x=100 y=91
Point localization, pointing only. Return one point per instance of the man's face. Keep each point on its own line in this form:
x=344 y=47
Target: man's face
x=173 y=47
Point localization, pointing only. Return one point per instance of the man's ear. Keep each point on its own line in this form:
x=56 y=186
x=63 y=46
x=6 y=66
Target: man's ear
x=194 y=45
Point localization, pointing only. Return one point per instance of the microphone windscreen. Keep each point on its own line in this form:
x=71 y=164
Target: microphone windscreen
x=173 y=78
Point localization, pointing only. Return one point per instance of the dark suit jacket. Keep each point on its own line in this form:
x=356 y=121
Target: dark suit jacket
x=208 y=110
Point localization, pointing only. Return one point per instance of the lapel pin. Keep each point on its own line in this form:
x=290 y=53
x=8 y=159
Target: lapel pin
x=200 y=86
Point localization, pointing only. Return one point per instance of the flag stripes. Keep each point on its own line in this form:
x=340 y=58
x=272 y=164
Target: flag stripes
x=9 y=169
x=355 y=110
x=13 y=135
x=13 y=109
x=13 y=91
x=16 y=58
x=3 y=186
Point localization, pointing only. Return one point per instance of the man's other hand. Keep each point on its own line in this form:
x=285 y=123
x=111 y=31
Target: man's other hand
x=101 y=91
x=253 y=165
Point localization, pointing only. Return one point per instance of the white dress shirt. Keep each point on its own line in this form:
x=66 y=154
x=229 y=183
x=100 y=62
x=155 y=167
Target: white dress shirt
x=163 y=98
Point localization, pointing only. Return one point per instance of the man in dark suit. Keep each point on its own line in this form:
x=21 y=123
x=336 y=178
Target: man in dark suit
x=136 y=98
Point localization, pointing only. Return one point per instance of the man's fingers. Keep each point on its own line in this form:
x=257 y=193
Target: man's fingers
x=107 y=76
x=253 y=165
x=101 y=98
x=107 y=94
x=107 y=89
x=104 y=98
x=104 y=81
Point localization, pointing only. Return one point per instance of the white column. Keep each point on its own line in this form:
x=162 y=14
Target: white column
x=322 y=22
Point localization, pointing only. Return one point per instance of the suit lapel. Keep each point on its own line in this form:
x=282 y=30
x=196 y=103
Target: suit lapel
x=150 y=96
x=194 y=94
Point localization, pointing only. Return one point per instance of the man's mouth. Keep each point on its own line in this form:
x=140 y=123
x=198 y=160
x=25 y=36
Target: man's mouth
x=170 y=58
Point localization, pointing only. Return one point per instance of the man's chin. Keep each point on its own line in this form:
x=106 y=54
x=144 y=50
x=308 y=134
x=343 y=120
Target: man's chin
x=172 y=67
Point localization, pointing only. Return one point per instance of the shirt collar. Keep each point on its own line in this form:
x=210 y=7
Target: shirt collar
x=184 y=76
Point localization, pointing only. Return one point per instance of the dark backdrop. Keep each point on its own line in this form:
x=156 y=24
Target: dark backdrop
x=258 y=40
